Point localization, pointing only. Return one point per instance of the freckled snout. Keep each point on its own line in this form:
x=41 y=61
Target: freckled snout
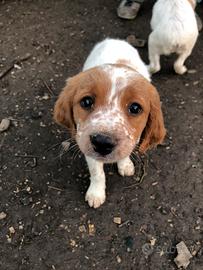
x=102 y=144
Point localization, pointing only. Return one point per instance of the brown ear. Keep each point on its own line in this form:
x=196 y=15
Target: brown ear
x=154 y=131
x=63 y=110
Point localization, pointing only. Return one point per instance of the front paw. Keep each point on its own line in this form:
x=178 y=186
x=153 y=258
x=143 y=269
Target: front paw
x=126 y=167
x=95 y=196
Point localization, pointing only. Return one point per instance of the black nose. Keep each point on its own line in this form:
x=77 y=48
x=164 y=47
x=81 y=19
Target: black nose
x=102 y=144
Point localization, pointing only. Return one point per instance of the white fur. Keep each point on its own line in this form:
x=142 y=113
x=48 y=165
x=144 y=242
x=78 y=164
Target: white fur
x=174 y=30
x=104 y=54
x=96 y=192
x=110 y=51
x=126 y=167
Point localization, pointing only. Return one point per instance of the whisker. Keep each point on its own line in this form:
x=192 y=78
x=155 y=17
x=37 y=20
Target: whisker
x=77 y=153
x=65 y=150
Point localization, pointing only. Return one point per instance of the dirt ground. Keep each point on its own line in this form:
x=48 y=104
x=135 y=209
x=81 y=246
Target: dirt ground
x=44 y=221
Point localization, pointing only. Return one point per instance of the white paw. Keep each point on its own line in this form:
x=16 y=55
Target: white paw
x=180 y=69
x=95 y=196
x=126 y=167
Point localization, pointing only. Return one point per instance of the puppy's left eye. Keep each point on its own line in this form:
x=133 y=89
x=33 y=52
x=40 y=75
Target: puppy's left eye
x=134 y=108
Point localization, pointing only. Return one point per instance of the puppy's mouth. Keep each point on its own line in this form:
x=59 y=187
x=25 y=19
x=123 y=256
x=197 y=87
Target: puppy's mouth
x=110 y=158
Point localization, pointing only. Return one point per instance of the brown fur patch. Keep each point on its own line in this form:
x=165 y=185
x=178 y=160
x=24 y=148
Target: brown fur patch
x=150 y=121
x=93 y=82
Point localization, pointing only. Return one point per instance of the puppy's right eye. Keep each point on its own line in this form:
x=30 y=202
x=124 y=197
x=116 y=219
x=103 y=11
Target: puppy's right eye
x=87 y=102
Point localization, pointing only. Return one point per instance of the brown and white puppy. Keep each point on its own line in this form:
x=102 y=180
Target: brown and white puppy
x=111 y=107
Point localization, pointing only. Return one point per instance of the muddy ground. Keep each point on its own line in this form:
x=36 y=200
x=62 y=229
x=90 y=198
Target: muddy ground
x=44 y=221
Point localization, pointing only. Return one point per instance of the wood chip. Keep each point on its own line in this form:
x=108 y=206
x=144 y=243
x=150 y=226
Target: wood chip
x=11 y=230
x=192 y=71
x=4 y=125
x=91 y=229
x=117 y=220
x=184 y=255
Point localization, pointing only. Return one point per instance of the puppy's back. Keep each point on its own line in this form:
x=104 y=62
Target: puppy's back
x=114 y=51
x=177 y=15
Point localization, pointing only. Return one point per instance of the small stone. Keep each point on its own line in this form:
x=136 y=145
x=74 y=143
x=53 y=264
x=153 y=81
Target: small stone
x=28 y=189
x=4 y=125
x=118 y=258
x=152 y=197
x=2 y=215
x=152 y=241
x=117 y=220
x=82 y=228
x=197 y=228
x=72 y=243
x=45 y=97
x=8 y=238
x=154 y=183
x=161 y=253
x=20 y=227
x=17 y=66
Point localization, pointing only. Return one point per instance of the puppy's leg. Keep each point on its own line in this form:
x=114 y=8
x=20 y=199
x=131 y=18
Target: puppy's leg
x=126 y=167
x=95 y=194
x=179 y=66
x=154 y=56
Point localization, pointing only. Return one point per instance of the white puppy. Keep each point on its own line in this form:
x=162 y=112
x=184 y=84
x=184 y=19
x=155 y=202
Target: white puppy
x=174 y=31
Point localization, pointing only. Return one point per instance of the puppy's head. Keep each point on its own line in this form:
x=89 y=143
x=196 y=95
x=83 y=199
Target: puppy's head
x=109 y=110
